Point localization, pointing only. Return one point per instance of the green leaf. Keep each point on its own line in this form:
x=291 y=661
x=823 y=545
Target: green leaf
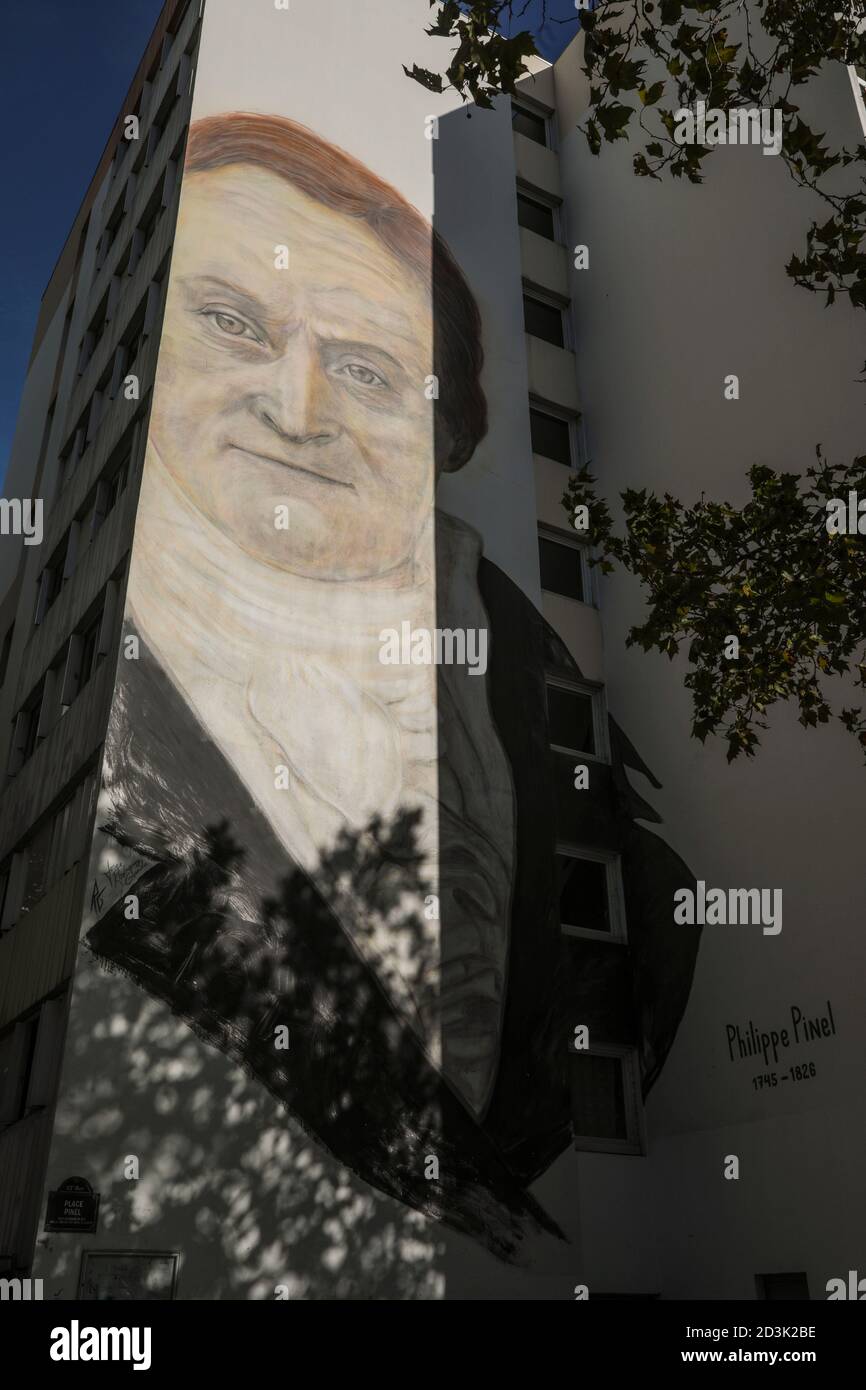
x=650 y=95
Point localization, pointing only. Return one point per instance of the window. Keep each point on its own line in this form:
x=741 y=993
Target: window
x=536 y=217
x=605 y=1100
x=117 y=482
x=583 y=893
x=529 y=123
x=12 y=885
x=59 y=847
x=51 y=581
x=551 y=436
x=543 y=320
x=134 y=337
x=17 y=1050
x=93 y=336
x=571 y=719
x=88 y=651
x=4 y=653
x=36 y=855
x=785 y=1287
x=46 y=434
x=589 y=892
x=94 y=415
x=561 y=568
x=108 y=491
x=27 y=726
x=28 y=732
x=149 y=220
x=5 y=873
x=112 y=227
x=71 y=452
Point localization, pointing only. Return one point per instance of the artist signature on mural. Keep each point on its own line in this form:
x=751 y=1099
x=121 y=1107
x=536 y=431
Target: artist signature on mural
x=118 y=876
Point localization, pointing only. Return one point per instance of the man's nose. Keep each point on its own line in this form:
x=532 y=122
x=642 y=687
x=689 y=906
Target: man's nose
x=292 y=398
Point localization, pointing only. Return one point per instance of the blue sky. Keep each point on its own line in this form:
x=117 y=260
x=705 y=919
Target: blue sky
x=68 y=66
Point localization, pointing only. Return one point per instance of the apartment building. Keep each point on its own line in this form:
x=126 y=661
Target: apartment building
x=78 y=448
x=585 y=1095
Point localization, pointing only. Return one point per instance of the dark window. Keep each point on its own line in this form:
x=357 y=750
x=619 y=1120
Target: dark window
x=569 y=714
x=150 y=218
x=114 y=486
x=113 y=225
x=529 y=123
x=786 y=1287
x=583 y=896
x=46 y=432
x=52 y=579
x=536 y=217
x=17 y=1049
x=4 y=887
x=30 y=724
x=180 y=16
x=598 y=1109
x=32 y=1027
x=550 y=436
x=72 y=450
x=133 y=345
x=543 y=320
x=89 y=641
x=560 y=568
x=36 y=853
x=98 y=325
x=4 y=653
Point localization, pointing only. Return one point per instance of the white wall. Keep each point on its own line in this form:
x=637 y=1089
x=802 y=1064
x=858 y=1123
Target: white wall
x=687 y=284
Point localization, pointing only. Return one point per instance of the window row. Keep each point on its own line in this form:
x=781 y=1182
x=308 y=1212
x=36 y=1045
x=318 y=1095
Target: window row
x=54 y=847
x=135 y=248
x=99 y=503
x=123 y=364
x=65 y=678
x=152 y=124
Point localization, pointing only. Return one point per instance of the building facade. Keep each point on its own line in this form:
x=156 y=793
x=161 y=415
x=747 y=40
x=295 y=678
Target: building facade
x=341 y=831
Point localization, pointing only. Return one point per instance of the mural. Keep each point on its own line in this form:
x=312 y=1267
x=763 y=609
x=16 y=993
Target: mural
x=359 y=851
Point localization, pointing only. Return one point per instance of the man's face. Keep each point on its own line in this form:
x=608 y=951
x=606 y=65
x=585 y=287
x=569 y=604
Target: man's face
x=302 y=387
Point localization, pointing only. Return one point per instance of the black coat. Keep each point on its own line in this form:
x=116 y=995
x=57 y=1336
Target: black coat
x=355 y=1076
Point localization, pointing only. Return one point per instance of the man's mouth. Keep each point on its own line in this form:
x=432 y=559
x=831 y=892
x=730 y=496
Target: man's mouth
x=292 y=466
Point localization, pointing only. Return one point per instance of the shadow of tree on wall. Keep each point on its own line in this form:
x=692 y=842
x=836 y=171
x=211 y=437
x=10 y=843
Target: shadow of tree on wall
x=256 y=1148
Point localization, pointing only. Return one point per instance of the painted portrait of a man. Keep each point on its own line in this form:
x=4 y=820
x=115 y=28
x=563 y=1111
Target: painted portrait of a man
x=357 y=852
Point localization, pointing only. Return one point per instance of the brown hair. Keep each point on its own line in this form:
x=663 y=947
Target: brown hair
x=339 y=181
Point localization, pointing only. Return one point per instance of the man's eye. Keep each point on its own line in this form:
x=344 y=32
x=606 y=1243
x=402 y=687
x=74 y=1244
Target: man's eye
x=230 y=324
x=364 y=376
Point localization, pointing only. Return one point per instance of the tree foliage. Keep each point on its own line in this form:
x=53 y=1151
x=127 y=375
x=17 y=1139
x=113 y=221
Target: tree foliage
x=690 y=53
x=768 y=573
